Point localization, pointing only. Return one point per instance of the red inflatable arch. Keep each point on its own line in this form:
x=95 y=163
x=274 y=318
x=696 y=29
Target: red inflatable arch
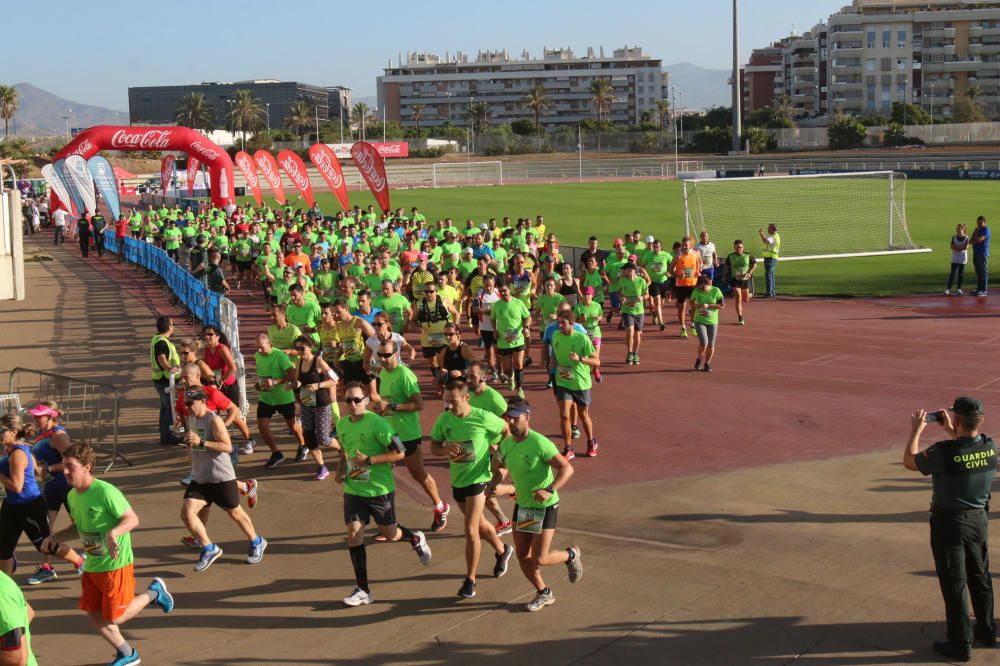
x=107 y=137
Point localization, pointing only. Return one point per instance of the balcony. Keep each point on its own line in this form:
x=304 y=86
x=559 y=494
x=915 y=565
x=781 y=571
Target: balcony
x=848 y=48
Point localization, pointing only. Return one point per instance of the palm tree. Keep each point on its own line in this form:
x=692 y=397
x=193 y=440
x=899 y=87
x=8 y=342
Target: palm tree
x=417 y=114
x=361 y=115
x=8 y=106
x=479 y=116
x=602 y=96
x=662 y=112
x=192 y=111
x=538 y=102
x=301 y=114
x=246 y=114
x=781 y=109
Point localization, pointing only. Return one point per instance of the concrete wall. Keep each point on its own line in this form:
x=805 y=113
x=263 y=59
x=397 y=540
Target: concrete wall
x=11 y=247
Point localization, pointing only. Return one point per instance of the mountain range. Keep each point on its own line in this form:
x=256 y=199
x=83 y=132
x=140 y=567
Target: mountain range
x=702 y=87
x=42 y=113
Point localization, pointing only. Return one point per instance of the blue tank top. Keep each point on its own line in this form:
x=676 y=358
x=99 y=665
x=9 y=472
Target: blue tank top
x=45 y=452
x=29 y=491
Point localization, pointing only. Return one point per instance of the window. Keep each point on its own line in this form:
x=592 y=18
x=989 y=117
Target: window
x=871 y=39
x=886 y=38
x=901 y=64
x=886 y=64
x=901 y=38
x=901 y=93
x=870 y=65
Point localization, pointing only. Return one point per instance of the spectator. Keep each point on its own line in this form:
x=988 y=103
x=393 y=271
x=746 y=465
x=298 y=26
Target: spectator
x=981 y=255
x=959 y=258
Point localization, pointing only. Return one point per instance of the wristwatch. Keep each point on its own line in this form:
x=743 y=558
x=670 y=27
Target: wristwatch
x=550 y=489
x=368 y=461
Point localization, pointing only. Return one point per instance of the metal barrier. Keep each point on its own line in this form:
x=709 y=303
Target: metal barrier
x=89 y=409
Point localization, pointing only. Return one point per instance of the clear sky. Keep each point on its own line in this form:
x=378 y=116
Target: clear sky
x=92 y=53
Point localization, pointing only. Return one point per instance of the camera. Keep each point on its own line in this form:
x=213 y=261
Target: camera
x=932 y=417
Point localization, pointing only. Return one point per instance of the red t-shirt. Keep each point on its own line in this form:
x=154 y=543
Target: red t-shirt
x=120 y=227
x=217 y=402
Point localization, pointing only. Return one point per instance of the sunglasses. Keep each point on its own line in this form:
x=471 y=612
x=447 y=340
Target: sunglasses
x=210 y=335
x=300 y=349
x=386 y=354
x=450 y=334
x=354 y=401
x=380 y=324
x=430 y=291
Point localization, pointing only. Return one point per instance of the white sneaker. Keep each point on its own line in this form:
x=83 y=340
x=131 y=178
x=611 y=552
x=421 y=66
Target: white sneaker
x=422 y=549
x=541 y=600
x=959 y=292
x=359 y=598
x=247 y=447
x=947 y=292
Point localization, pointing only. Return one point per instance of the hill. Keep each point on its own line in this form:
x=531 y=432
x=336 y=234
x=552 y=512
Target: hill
x=702 y=87
x=41 y=113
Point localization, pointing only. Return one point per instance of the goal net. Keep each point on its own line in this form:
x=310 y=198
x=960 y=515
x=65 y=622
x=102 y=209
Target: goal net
x=463 y=174
x=818 y=217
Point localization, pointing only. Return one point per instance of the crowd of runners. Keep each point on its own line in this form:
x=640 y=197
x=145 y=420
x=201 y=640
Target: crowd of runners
x=353 y=299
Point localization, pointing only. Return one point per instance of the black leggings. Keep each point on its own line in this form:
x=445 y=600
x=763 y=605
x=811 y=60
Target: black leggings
x=31 y=518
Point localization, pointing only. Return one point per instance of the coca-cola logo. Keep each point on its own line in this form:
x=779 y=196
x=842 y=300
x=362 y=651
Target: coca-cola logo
x=365 y=160
x=249 y=172
x=148 y=140
x=204 y=151
x=390 y=149
x=323 y=162
x=292 y=169
x=85 y=147
x=268 y=170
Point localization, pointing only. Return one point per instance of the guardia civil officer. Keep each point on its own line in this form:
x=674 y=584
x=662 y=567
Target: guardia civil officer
x=962 y=468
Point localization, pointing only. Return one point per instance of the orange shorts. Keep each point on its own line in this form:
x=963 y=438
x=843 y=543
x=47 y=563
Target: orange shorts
x=107 y=592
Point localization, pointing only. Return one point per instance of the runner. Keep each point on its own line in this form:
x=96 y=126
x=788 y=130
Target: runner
x=105 y=520
x=352 y=332
x=276 y=376
x=656 y=261
x=213 y=481
x=706 y=301
x=383 y=332
x=483 y=308
x=511 y=319
x=430 y=316
x=316 y=390
x=467 y=435
x=531 y=458
x=281 y=333
x=739 y=268
x=24 y=510
x=16 y=615
x=395 y=305
x=454 y=357
x=633 y=293
x=709 y=257
x=588 y=314
x=686 y=267
x=47 y=450
x=574 y=355
x=483 y=396
x=219 y=358
x=302 y=313
x=371 y=448
x=401 y=403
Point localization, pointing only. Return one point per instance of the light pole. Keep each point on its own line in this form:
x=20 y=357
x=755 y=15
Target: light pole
x=932 y=84
x=905 y=80
x=384 y=109
x=737 y=116
x=673 y=107
x=267 y=106
x=340 y=105
x=66 y=118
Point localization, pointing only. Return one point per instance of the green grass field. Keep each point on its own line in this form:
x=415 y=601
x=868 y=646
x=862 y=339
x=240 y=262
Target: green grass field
x=576 y=211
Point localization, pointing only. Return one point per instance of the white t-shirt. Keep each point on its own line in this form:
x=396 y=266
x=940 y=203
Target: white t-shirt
x=59 y=218
x=960 y=256
x=707 y=251
x=374 y=343
x=486 y=302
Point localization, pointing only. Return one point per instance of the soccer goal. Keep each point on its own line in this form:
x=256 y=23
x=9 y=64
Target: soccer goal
x=818 y=216
x=463 y=174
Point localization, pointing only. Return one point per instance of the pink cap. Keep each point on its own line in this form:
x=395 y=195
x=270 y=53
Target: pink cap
x=422 y=256
x=588 y=290
x=618 y=242
x=42 y=410
x=633 y=257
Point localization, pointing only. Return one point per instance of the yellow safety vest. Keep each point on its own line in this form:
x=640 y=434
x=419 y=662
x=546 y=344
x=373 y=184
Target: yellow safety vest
x=768 y=253
x=172 y=357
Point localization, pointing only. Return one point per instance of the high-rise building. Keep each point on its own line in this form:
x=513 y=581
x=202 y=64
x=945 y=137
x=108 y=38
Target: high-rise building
x=924 y=52
x=447 y=87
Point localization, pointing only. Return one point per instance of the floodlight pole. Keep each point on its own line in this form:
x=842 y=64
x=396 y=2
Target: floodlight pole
x=737 y=115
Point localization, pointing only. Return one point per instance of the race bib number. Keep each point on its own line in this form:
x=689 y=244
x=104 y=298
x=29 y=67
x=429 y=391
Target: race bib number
x=522 y=288
x=396 y=318
x=435 y=339
x=704 y=312
x=93 y=544
x=485 y=308
x=361 y=473
x=565 y=372
x=688 y=272
x=656 y=267
x=510 y=336
x=308 y=397
x=529 y=520
x=348 y=345
x=741 y=276
x=630 y=301
x=463 y=454
x=571 y=299
x=150 y=239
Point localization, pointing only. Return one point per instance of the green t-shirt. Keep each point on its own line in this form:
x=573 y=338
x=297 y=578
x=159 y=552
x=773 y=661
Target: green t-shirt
x=452 y=253
x=283 y=338
x=395 y=307
x=508 y=319
x=371 y=435
x=632 y=292
x=589 y=316
x=14 y=612
x=308 y=314
x=172 y=238
x=528 y=464
x=658 y=263
x=489 y=400
x=474 y=434
x=701 y=297
x=399 y=386
x=613 y=268
x=571 y=374
x=548 y=304
x=268 y=260
x=243 y=248
x=739 y=265
x=274 y=366
x=595 y=280
x=95 y=511
x=326 y=283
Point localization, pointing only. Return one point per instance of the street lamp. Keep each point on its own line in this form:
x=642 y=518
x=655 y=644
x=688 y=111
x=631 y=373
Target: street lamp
x=267 y=106
x=66 y=118
x=932 y=84
x=905 y=80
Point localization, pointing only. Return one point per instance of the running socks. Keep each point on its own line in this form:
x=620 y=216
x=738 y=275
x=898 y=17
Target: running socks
x=124 y=650
x=572 y=555
x=407 y=533
x=359 y=559
x=518 y=378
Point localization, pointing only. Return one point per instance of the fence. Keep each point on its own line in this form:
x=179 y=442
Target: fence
x=804 y=138
x=89 y=409
x=207 y=306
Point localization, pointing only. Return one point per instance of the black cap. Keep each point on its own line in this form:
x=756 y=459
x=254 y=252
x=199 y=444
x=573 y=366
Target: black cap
x=195 y=393
x=629 y=265
x=967 y=406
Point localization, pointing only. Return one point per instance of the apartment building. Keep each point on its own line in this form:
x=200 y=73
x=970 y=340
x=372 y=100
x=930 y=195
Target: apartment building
x=796 y=67
x=446 y=87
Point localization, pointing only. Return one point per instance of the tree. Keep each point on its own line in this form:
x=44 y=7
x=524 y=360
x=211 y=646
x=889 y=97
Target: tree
x=194 y=112
x=478 y=116
x=909 y=114
x=781 y=112
x=719 y=116
x=966 y=109
x=874 y=119
x=301 y=116
x=602 y=95
x=662 y=112
x=538 y=102
x=361 y=118
x=845 y=132
x=417 y=114
x=713 y=140
x=9 y=105
x=760 y=141
x=246 y=114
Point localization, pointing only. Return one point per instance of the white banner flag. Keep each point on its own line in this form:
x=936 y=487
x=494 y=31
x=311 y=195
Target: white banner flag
x=81 y=180
x=56 y=183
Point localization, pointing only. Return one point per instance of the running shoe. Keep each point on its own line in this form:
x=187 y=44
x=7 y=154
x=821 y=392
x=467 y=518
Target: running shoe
x=635 y=358
x=708 y=368
x=207 y=557
x=663 y=326
x=322 y=473
x=697 y=364
x=741 y=322
x=628 y=358
x=598 y=376
x=420 y=547
x=520 y=393
x=251 y=493
x=528 y=361
x=549 y=384
x=440 y=518
x=276 y=459
x=568 y=453
x=163 y=599
x=592 y=446
x=503 y=560
x=247 y=448
x=127 y=659
x=575 y=431
x=191 y=542
x=256 y=552
x=359 y=598
x=504 y=528
x=691 y=326
x=684 y=332
x=301 y=453
x=959 y=292
x=42 y=574
x=468 y=589
x=511 y=384
x=947 y=292
x=541 y=600
x=575 y=567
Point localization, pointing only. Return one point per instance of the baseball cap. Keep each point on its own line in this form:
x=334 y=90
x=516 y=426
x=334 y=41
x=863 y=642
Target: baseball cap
x=422 y=256
x=482 y=225
x=650 y=239
x=518 y=410
x=468 y=250
x=633 y=258
x=629 y=265
x=195 y=393
x=588 y=290
x=967 y=406
x=618 y=242
x=42 y=410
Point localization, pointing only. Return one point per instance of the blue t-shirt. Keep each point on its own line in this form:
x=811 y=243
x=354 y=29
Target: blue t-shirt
x=981 y=249
x=550 y=332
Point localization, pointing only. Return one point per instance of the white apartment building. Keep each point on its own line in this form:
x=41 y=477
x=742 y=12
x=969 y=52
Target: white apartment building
x=446 y=87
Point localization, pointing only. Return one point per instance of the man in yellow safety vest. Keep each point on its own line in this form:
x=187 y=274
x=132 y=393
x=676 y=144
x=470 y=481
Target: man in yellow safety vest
x=772 y=243
x=164 y=362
